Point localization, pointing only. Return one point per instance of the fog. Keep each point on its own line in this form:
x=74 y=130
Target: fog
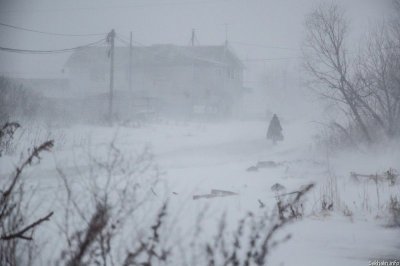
x=199 y=132
x=257 y=23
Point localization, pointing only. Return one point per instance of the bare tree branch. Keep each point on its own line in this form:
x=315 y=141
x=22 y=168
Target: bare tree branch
x=21 y=233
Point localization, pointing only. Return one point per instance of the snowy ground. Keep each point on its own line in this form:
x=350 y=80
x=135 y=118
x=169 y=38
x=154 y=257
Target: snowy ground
x=195 y=157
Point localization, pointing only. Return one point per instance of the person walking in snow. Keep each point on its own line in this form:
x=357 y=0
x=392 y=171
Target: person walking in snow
x=275 y=130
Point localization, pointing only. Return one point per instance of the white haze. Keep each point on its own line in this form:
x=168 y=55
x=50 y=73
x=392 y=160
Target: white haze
x=256 y=30
x=197 y=154
x=260 y=22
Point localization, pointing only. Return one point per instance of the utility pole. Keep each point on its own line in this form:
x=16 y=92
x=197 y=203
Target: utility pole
x=130 y=64
x=193 y=38
x=110 y=40
x=226 y=34
x=192 y=41
x=226 y=68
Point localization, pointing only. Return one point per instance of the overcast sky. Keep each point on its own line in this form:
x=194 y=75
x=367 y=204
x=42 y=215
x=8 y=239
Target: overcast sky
x=256 y=29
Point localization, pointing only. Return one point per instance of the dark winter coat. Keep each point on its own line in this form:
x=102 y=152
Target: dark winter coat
x=275 y=130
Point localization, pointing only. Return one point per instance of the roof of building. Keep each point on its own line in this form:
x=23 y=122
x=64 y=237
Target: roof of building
x=156 y=55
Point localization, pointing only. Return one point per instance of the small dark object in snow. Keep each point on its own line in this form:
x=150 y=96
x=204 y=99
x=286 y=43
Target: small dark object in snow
x=222 y=192
x=277 y=187
x=262 y=205
x=267 y=164
x=325 y=206
x=215 y=193
x=275 y=130
x=252 y=169
x=174 y=193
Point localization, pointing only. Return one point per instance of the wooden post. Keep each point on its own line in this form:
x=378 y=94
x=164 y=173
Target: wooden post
x=193 y=38
x=110 y=39
x=130 y=64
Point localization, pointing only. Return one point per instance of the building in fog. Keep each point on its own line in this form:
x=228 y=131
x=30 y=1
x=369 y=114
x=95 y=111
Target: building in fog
x=169 y=79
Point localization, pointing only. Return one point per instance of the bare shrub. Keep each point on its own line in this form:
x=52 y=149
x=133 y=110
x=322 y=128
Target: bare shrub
x=254 y=246
x=114 y=187
x=326 y=204
x=103 y=242
x=7 y=132
x=35 y=133
x=347 y=212
x=14 y=223
x=330 y=198
x=394 y=211
x=150 y=251
x=82 y=248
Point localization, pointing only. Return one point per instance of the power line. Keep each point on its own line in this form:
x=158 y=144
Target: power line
x=139 y=43
x=124 y=36
x=28 y=51
x=49 y=33
x=270 y=59
x=145 y=5
x=121 y=40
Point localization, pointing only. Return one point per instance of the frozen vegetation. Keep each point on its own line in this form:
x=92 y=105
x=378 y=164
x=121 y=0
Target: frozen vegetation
x=170 y=159
x=135 y=171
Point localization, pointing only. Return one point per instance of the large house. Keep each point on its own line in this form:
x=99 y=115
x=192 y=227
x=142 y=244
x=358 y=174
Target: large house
x=169 y=79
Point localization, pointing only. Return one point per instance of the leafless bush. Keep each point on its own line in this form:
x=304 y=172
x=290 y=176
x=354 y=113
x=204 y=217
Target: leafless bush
x=101 y=241
x=114 y=187
x=254 y=246
x=14 y=223
x=35 y=133
x=329 y=193
x=7 y=132
x=394 y=211
x=150 y=251
x=347 y=212
x=82 y=248
x=326 y=204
